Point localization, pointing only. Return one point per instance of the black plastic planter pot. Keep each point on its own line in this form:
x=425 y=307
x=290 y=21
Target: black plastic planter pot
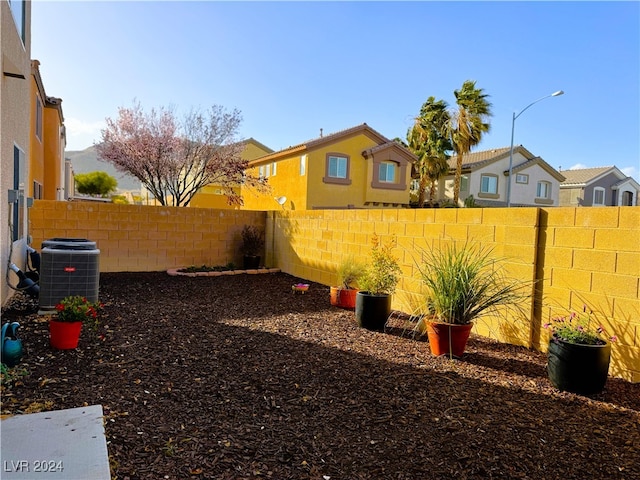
x=372 y=311
x=251 y=262
x=578 y=368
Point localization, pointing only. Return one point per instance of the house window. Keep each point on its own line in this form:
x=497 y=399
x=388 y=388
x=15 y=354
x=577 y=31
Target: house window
x=38 y=118
x=303 y=165
x=261 y=171
x=273 y=169
x=387 y=172
x=337 y=169
x=37 y=190
x=18 y=185
x=543 y=190
x=598 y=196
x=267 y=171
x=522 y=178
x=464 y=183
x=489 y=184
x=627 y=199
x=18 y=9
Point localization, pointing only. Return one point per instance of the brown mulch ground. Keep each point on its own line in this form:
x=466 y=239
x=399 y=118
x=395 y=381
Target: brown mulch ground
x=235 y=377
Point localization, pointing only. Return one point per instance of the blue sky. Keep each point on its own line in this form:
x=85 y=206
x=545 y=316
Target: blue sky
x=292 y=68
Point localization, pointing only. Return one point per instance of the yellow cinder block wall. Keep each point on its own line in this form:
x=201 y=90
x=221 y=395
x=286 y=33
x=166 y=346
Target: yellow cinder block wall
x=141 y=238
x=575 y=256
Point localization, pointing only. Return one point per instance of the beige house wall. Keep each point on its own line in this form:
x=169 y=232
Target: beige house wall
x=576 y=256
x=14 y=129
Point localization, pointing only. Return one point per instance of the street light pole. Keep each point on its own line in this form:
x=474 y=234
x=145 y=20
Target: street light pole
x=513 y=125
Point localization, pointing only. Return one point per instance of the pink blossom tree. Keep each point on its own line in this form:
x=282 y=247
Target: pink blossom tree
x=173 y=159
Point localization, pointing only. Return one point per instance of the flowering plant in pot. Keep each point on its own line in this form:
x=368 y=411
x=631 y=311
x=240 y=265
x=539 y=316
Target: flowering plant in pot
x=463 y=283
x=349 y=272
x=66 y=324
x=378 y=283
x=579 y=353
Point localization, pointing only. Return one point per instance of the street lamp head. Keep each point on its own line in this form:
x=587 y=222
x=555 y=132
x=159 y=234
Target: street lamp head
x=555 y=94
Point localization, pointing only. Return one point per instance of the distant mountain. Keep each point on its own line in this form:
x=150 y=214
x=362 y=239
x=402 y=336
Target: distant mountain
x=86 y=161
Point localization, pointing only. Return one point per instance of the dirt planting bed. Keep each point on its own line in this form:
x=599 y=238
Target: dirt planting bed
x=236 y=377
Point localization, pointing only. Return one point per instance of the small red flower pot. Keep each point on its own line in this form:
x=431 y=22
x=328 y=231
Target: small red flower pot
x=64 y=335
x=343 y=297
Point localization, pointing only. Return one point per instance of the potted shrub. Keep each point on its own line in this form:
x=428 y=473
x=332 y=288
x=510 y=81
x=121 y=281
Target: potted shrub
x=462 y=284
x=578 y=354
x=377 y=283
x=344 y=294
x=66 y=324
x=252 y=245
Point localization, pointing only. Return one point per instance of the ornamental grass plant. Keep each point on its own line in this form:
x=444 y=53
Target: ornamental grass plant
x=349 y=272
x=466 y=281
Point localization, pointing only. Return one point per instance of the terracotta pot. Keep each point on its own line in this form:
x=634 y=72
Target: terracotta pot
x=64 y=335
x=578 y=368
x=447 y=338
x=343 y=297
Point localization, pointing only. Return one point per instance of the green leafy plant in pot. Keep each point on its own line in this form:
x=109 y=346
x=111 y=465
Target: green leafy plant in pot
x=71 y=313
x=579 y=353
x=252 y=245
x=349 y=272
x=378 y=283
x=463 y=282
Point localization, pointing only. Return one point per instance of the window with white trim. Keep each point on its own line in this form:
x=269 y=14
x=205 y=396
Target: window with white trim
x=543 y=190
x=488 y=184
x=303 y=165
x=387 y=172
x=464 y=183
x=273 y=169
x=267 y=170
x=261 y=171
x=598 y=196
x=522 y=178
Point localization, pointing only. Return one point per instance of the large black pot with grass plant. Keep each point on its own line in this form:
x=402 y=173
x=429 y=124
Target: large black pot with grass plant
x=251 y=247
x=378 y=282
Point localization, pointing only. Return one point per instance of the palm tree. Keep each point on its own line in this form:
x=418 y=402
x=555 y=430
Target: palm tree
x=467 y=125
x=428 y=140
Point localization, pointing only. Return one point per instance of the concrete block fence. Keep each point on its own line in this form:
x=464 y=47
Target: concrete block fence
x=576 y=257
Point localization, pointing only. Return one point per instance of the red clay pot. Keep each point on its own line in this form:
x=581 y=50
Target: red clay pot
x=447 y=338
x=343 y=297
x=64 y=335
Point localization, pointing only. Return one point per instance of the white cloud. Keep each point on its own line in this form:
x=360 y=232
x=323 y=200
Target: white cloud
x=630 y=172
x=81 y=135
x=78 y=127
x=578 y=166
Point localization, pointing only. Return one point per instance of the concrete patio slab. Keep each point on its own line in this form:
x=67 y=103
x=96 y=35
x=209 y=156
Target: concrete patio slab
x=62 y=444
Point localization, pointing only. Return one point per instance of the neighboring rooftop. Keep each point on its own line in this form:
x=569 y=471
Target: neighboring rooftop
x=581 y=176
